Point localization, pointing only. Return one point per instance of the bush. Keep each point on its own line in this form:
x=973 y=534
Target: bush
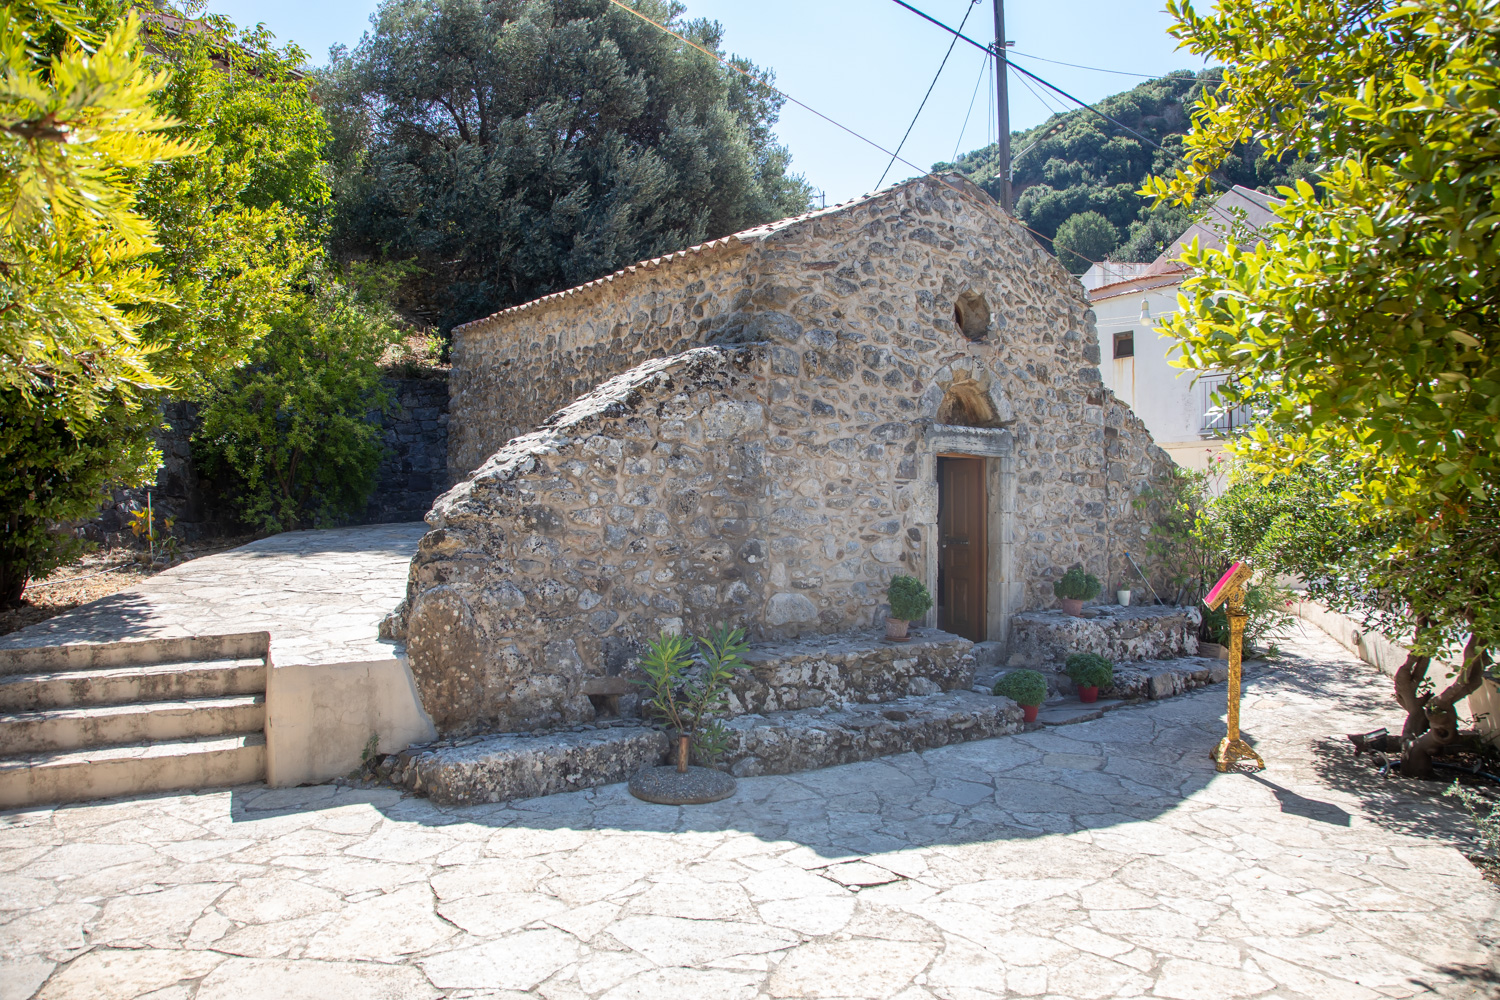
x=688 y=696
x=293 y=428
x=1077 y=585
x=1091 y=670
x=1024 y=687
x=909 y=598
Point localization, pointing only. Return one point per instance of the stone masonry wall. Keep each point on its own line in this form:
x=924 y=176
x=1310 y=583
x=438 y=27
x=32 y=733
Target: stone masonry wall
x=627 y=514
x=513 y=370
x=415 y=468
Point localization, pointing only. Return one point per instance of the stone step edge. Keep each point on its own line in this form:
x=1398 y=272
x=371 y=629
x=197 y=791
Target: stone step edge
x=152 y=750
x=23 y=693
x=1153 y=680
x=130 y=708
x=108 y=772
x=509 y=766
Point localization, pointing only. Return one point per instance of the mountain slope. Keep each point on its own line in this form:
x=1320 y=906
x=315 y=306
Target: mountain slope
x=1077 y=162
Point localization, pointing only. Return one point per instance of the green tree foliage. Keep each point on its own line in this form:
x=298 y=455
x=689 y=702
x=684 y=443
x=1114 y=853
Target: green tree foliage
x=240 y=223
x=1083 y=239
x=78 y=291
x=516 y=147
x=1363 y=331
x=293 y=426
x=1077 y=162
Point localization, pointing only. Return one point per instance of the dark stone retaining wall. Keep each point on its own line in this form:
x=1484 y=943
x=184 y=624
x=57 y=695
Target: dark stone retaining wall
x=413 y=473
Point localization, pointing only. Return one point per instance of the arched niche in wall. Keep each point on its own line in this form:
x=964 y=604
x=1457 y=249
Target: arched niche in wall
x=966 y=404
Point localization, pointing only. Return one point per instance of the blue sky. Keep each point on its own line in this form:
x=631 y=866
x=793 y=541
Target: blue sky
x=864 y=63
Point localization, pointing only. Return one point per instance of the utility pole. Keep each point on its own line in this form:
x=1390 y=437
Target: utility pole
x=1002 y=104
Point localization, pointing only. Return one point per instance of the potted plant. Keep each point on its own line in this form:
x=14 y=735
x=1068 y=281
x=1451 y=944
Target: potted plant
x=688 y=696
x=1074 y=588
x=1090 y=672
x=1026 y=688
x=909 y=602
x=1122 y=596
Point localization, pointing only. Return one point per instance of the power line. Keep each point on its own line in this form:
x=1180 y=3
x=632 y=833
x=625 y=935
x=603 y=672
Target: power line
x=1025 y=72
x=975 y=96
x=925 y=96
x=1096 y=69
x=752 y=77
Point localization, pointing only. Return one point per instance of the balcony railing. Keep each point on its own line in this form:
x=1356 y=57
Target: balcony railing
x=1217 y=420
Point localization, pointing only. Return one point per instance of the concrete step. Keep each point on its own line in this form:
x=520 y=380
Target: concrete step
x=33 y=692
x=104 y=772
x=112 y=725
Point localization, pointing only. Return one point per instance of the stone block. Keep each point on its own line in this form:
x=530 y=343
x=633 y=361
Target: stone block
x=858 y=666
x=497 y=768
x=1045 y=639
x=787 y=742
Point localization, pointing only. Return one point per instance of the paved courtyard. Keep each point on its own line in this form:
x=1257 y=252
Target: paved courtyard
x=320 y=593
x=1098 y=860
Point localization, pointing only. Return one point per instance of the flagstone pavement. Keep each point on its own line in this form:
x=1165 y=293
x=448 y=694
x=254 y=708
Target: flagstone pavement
x=1098 y=860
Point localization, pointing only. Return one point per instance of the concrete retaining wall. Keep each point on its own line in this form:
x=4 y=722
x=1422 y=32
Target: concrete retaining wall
x=1483 y=706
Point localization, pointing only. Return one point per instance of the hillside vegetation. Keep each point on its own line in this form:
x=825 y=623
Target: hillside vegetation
x=1077 y=163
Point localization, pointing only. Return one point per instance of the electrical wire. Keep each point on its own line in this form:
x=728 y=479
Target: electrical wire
x=1025 y=72
x=1096 y=69
x=750 y=76
x=925 y=96
x=983 y=67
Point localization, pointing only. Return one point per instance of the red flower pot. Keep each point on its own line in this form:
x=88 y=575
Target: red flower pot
x=1088 y=694
x=1071 y=606
x=1028 y=712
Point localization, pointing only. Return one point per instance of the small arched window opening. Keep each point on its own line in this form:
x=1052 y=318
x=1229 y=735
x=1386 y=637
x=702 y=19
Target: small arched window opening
x=971 y=314
x=967 y=405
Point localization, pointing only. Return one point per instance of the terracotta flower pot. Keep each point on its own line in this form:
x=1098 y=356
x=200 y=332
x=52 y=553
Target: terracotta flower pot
x=1071 y=606
x=1028 y=712
x=1088 y=694
x=895 y=628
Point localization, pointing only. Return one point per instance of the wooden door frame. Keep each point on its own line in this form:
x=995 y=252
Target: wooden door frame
x=1003 y=592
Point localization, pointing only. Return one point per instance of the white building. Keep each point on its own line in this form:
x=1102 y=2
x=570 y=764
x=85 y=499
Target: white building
x=1129 y=300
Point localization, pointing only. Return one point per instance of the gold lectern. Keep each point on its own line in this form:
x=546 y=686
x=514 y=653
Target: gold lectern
x=1230 y=592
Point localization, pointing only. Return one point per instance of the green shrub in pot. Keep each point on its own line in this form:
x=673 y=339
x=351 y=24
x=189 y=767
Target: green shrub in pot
x=1090 y=672
x=1076 y=585
x=1026 y=688
x=909 y=602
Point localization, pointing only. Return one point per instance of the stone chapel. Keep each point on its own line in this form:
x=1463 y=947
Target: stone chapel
x=762 y=431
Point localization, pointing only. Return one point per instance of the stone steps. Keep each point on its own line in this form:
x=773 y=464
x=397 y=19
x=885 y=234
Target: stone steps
x=86 y=720
x=134 y=769
x=1134 y=681
x=504 y=766
x=34 y=692
x=110 y=725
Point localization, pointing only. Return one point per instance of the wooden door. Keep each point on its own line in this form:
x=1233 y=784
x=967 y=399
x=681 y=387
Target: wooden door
x=962 y=547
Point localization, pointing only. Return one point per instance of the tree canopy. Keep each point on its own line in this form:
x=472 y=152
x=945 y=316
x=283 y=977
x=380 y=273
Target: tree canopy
x=1363 y=331
x=516 y=147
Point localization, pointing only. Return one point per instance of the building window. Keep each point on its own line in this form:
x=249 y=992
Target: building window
x=1125 y=344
